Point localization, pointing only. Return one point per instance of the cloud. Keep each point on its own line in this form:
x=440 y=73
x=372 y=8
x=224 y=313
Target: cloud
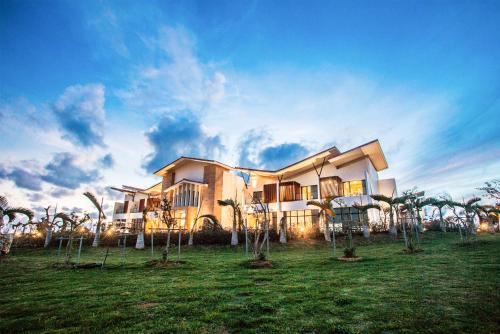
x=278 y=156
x=35 y=197
x=179 y=134
x=22 y=178
x=106 y=161
x=62 y=171
x=61 y=192
x=177 y=80
x=80 y=113
x=257 y=151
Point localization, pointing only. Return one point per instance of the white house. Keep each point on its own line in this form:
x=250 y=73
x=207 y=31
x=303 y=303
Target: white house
x=195 y=185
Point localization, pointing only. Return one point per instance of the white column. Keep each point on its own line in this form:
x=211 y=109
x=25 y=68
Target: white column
x=278 y=204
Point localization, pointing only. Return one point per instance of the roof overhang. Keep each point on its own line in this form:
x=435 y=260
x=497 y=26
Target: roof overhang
x=297 y=167
x=183 y=160
x=372 y=151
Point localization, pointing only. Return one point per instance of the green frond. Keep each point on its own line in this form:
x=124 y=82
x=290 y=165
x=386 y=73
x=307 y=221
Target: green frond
x=4 y=204
x=226 y=202
x=472 y=201
x=382 y=198
x=11 y=212
x=212 y=220
x=94 y=201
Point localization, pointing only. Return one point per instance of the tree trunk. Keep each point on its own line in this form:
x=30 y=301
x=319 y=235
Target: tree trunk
x=283 y=231
x=403 y=224
x=441 y=220
x=167 y=247
x=191 y=238
x=97 y=237
x=392 y=227
x=366 y=231
x=334 y=243
x=48 y=237
x=5 y=243
x=139 y=244
x=234 y=234
x=326 y=231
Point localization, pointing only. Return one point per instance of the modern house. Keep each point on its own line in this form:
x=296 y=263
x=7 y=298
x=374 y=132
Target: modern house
x=195 y=185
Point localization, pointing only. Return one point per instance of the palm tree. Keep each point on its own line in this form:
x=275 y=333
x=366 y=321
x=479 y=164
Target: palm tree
x=73 y=221
x=420 y=203
x=210 y=218
x=326 y=209
x=235 y=206
x=49 y=225
x=392 y=203
x=283 y=230
x=101 y=215
x=11 y=212
x=139 y=243
x=363 y=211
x=167 y=218
x=440 y=204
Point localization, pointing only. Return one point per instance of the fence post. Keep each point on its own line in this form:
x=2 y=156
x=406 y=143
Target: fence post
x=179 y=246
x=79 y=250
x=152 y=240
x=60 y=245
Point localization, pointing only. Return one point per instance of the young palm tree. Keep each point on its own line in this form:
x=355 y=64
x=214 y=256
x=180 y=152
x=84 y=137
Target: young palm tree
x=283 y=230
x=420 y=203
x=210 y=218
x=440 y=204
x=167 y=218
x=11 y=212
x=139 y=243
x=392 y=203
x=326 y=209
x=235 y=206
x=101 y=215
x=49 y=225
x=363 y=211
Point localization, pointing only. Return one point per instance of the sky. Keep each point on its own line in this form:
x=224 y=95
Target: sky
x=96 y=94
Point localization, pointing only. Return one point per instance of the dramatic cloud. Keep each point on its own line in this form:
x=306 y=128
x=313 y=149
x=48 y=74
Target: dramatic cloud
x=62 y=171
x=178 y=134
x=80 y=114
x=22 y=178
x=61 y=192
x=35 y=197
x=177 y=80
x=275 y=157
x=106 y=161
x=255 y=150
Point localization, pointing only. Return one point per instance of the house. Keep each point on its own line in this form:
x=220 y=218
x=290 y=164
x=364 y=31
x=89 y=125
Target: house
x=195 y=185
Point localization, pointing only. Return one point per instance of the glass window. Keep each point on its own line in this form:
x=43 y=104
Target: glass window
x=354 y=188
x=309 y=192
x=257 y=196
x=330 y=186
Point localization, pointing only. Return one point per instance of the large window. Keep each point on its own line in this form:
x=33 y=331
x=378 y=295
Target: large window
x=354 y=188
x=347 y=214
x=309 y=192
x=289 y=191
x=301 y=218
x=330 y=186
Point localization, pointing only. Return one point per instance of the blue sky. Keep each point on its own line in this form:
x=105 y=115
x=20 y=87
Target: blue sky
x=102 y=93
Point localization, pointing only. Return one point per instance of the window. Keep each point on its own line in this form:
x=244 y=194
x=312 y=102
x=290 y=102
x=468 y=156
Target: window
x=301 y=218
x=309 y=192
x=347 y=214
x=257 y=196
x=354 y=188
x=270 y=193
x=330 y=186
x=289 y=191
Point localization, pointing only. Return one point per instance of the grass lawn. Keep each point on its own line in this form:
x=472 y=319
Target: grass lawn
x=445 y=289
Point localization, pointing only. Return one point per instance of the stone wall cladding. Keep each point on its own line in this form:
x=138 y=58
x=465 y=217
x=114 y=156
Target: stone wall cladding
x=212 y=175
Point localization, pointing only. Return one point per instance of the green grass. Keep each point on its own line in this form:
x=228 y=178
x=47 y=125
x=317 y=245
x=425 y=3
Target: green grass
x=445 y=289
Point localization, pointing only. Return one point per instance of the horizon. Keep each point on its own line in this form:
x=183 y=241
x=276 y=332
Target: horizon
x=94 y=95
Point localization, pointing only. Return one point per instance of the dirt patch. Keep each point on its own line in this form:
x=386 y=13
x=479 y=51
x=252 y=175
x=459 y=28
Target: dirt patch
x=146 y=305
x=77 y=266
x=350 y=259
x=165 y=264
x=257 y=264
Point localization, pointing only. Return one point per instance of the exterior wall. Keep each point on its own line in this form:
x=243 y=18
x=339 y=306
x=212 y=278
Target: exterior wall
x=213 y=176
x=387 y=187
x=191 y=171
